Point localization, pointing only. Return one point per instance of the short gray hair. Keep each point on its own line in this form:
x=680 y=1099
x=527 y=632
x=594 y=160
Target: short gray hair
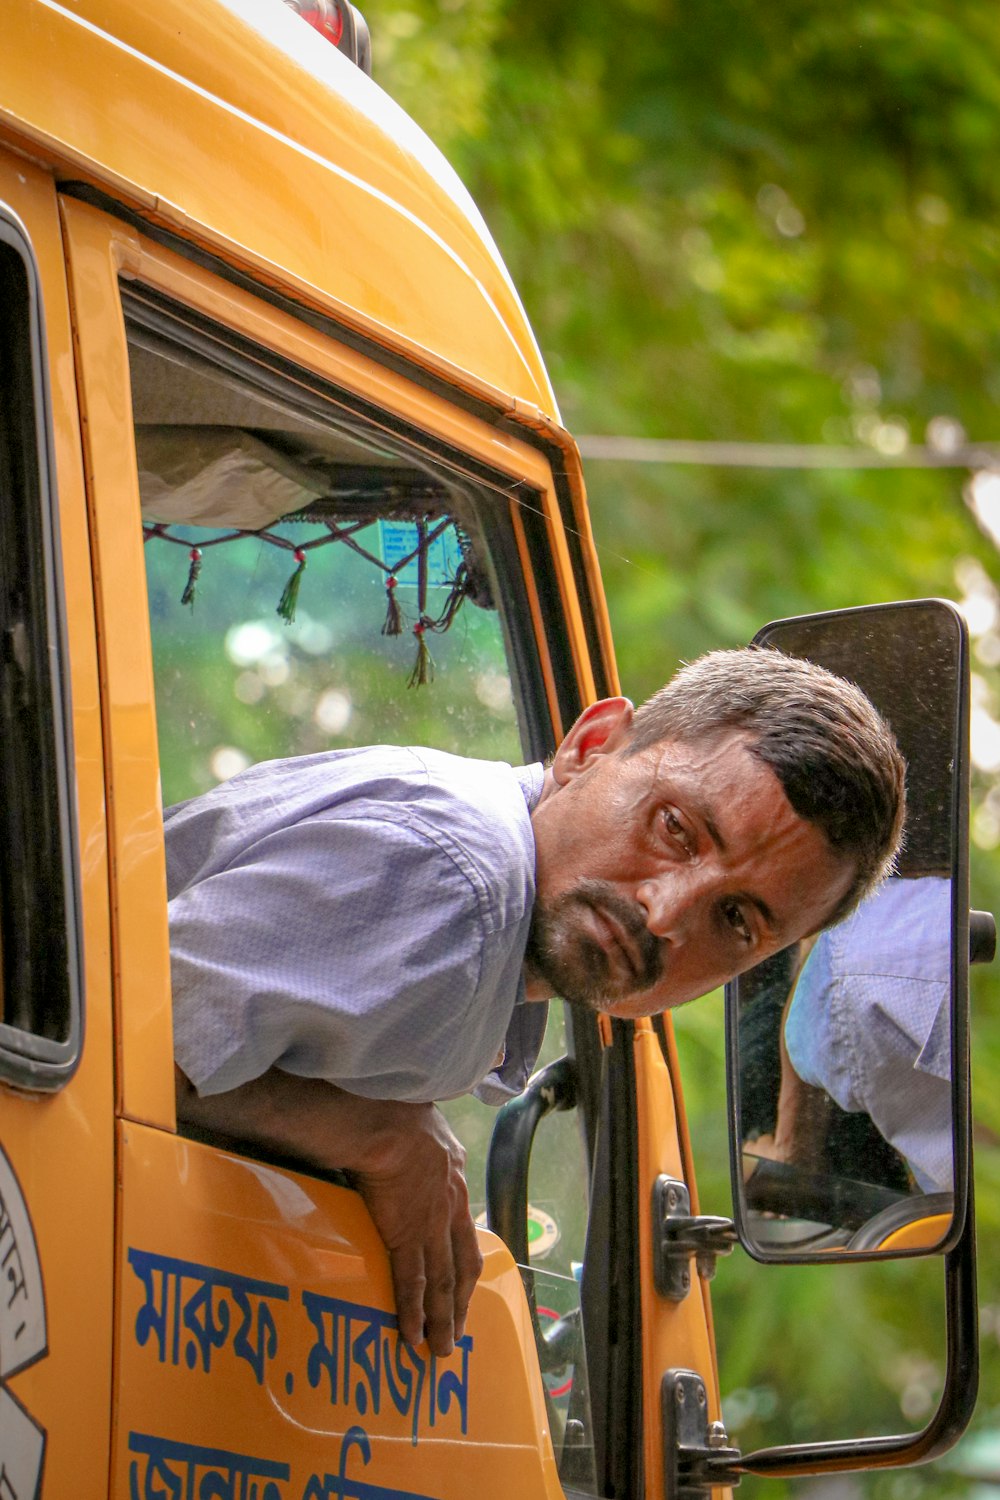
x=833 y=753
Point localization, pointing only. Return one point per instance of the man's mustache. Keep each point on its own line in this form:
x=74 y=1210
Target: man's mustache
x=645 y=949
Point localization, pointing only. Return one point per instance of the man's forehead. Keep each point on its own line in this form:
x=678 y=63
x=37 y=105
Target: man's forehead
x=698 y=749
x=712 y=767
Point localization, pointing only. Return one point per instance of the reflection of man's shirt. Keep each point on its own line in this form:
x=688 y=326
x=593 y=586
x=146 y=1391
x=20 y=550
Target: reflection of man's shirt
x=359 y=916
x=870 y=1020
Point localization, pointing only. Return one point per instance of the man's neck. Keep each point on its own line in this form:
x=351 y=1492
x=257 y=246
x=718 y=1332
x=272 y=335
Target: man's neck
x=535 y=988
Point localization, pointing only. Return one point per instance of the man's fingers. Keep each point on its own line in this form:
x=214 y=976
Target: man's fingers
x=409 y=1283
x=439 y=1293
x=468 y=1267
x=433 y=1285
x=419 y=1202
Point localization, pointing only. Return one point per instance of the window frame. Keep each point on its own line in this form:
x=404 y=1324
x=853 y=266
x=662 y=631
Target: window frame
x=273 y=374
x=46 y=868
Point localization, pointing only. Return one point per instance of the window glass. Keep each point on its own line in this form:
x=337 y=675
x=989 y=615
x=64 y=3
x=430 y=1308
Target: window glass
x=40 y=1020
x=288 y=565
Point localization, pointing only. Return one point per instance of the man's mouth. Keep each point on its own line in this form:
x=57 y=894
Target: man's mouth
x=628 y=942
x=592 y=945
x=612 y=939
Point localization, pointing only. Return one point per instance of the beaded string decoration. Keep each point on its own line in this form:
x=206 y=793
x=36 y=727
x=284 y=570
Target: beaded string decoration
x=290 y=593
x=393 y=622
x=467 y=582
x=194 y=572
x=423 y=667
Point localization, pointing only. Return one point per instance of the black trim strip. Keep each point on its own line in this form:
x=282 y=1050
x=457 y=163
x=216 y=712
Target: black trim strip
x=40 y=904
x=623 y=1474
x=574 y=542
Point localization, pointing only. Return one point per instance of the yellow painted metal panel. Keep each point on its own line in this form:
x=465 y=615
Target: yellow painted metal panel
x=61 y=1148
x=238 y=126
x=255 y=1333
x=141 y=953
x=572 y=473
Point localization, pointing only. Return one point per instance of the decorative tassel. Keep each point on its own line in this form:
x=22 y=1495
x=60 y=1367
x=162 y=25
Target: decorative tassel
x=423 y=667
x=194 y=572
x=456 y=597
x=393 y=624
x=290 y=597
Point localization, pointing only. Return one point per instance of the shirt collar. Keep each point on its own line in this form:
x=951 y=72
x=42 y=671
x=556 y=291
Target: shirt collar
x=531 y=779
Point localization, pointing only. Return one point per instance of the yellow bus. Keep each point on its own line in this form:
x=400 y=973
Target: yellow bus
x=282 y=470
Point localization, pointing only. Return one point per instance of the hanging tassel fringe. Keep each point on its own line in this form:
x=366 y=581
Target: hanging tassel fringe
x=457 y=595
x=393 y=624
x=423 y=667
x=194 y=572
x=468 y=581
x=290 y=597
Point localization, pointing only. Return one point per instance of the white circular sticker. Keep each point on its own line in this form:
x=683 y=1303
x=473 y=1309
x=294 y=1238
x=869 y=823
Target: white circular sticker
x=543 y=1231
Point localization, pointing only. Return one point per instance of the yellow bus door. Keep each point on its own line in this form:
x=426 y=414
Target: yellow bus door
x=56 y=1048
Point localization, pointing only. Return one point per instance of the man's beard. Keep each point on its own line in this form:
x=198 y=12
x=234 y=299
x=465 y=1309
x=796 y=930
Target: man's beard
x=579 y=970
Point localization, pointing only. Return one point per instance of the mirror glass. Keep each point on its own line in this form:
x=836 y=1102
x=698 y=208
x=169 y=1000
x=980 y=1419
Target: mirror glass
x=840 y=1047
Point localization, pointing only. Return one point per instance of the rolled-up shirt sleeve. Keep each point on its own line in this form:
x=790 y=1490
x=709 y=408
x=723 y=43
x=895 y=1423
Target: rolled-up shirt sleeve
x=319 y=951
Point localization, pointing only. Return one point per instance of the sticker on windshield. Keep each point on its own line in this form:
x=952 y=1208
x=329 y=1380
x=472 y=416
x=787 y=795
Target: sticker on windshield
x=400 y=544
x=543 y=1231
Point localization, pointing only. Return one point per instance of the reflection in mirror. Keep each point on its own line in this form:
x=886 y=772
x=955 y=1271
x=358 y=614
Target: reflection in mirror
x=845 y=1101
x=854 y=1028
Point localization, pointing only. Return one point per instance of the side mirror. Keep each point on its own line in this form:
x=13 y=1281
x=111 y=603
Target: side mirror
x=848 y=1052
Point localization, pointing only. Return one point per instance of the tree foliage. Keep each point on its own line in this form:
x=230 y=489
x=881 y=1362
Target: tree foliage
x=774 y=224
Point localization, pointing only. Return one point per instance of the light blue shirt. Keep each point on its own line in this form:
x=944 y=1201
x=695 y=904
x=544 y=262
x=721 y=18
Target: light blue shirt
x=359 y=916
x=870 y=1020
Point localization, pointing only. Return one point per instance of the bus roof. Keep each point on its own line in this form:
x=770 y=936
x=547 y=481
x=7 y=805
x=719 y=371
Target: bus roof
x=238 y=127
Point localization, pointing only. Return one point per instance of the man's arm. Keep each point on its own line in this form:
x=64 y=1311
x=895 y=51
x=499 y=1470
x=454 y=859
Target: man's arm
x=803 y=1118
x=404 y=1161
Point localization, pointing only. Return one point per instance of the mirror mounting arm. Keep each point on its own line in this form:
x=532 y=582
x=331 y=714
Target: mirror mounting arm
x=982 y=937
x=678 y=1234
x=696 y=1452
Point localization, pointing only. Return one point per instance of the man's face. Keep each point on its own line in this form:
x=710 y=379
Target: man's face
x=663 y=874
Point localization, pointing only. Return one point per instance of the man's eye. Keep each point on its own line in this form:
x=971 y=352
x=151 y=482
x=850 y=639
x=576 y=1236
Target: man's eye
x=676 y=831
x=733 y=913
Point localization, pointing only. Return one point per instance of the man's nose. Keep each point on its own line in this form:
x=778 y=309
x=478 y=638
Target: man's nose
x=674 y=903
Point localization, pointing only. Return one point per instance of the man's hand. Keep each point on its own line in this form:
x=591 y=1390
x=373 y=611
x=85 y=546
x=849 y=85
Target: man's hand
x=406 y=1164
x=416 y=1194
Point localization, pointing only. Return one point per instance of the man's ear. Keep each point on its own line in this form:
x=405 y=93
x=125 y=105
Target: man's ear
x=601 y=729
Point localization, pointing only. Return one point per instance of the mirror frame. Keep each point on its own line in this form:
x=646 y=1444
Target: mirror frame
x=959 y=970
x=961 y=1380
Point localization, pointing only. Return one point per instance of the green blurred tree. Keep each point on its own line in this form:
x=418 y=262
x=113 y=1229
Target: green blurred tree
x=771 y=224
